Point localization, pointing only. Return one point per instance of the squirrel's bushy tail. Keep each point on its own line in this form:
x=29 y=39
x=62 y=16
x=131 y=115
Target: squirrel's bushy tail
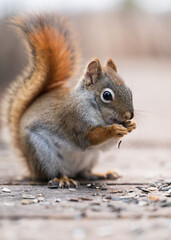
x=53 y=56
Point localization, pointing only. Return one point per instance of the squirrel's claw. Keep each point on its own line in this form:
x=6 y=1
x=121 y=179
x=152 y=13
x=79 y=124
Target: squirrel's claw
x=118 y=130
x=130 y=125
x=63 y=182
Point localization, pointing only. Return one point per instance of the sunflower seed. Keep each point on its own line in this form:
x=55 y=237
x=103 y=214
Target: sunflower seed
x=74 y=200
x=153 y=198
x=143 y=189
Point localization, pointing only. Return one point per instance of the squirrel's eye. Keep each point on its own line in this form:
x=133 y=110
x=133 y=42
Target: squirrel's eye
x=107 y=95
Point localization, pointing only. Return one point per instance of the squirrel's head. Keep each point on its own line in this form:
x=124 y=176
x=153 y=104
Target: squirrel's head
x=111 y=95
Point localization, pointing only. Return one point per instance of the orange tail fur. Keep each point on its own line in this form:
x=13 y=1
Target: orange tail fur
x=53 y=57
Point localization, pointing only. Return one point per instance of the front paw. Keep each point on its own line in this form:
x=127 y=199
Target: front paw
x=130 y=125
x=117 y=130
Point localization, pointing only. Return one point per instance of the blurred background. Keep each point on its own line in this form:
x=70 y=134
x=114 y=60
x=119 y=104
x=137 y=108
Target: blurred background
x=135 y=33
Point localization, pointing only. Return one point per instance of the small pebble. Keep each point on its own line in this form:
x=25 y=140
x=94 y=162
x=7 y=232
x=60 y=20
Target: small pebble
x=91 y=185
x=153 y=185
x=116 y=199
x=103 y=188
x=168 y=195
x=129 y=191
x=40 y=199
x=95 y=194
x=28 y=196
x=6 y=190
x=35 y=200
x=166 y=204
x=126 y=197
x=96 y=208
x=113 y=208
x=143 y=195
x=168 y=181
x=115 y=191
x=86 y=199
x=72 y=189
x=164 y=188
x=29 y=201
x=142 y=203
x=130 y=200
x=133 y=195
x=57 y=200
x=108 y=197
x=26 y=201
x=105 y=200
x=95 y=203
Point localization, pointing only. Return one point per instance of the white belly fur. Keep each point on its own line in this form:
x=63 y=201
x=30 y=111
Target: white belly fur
x=73 y=160
x=78 y=161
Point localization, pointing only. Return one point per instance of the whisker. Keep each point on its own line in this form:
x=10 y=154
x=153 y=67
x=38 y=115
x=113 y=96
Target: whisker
x=144 y=119
x=143 y=112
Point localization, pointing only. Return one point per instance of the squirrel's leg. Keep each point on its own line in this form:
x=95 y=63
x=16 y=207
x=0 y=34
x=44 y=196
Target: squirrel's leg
x=44 y=158
x=102 y=134
x=99 y=135
x=63 y=182
x=91 y=176
x=41 y=154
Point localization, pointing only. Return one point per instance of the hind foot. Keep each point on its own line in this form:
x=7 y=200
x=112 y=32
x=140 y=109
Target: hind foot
x=63 y=182
x=112 y=175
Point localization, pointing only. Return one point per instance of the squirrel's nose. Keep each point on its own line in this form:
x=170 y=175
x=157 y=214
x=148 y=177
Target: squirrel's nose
x=128 y=115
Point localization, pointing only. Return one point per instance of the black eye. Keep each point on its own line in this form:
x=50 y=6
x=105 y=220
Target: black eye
x=107 y=95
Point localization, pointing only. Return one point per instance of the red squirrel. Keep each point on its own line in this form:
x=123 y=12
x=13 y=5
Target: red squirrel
x=60 y=130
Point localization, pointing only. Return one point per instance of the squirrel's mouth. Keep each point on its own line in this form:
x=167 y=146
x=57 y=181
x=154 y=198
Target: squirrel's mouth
x=116 y=121
x=121 y=123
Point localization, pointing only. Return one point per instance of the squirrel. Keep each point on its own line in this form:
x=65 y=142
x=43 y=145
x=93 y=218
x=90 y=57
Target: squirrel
x=60 y=130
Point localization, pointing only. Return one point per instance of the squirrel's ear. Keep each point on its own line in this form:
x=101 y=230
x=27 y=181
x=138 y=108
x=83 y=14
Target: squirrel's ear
x=94 y=70
x=111 y=64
